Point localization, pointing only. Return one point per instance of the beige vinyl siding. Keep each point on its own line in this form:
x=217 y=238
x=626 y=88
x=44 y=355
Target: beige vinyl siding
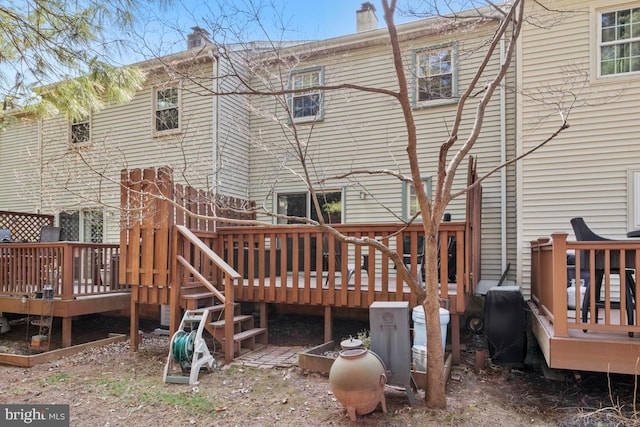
x=19 y=166
x=232 y=171
x=364 y=131
x=584 y=171
x=88 y=178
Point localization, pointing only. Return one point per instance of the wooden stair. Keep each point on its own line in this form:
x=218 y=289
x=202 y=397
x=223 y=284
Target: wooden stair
x=246 y=336
x=194 y=296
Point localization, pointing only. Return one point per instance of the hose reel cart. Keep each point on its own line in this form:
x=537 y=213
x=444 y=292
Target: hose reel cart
x=188 y=351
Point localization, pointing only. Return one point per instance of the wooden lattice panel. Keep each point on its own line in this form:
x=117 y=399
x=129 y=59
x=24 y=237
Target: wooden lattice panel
x=25 y=227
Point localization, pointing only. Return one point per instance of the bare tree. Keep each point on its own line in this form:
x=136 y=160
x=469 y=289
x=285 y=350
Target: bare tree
x=269 y=73
x=258 y=75
x=268 y=90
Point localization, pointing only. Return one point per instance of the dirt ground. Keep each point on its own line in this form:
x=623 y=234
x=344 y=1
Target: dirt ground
x=111 y=386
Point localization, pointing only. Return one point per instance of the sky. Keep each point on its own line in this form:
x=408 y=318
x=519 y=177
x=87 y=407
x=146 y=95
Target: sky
x=161 y=29
x=317 y=19
x=164 y=29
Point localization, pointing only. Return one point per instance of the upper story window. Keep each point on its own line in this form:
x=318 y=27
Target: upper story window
x=435 y=76
x=306 y=105
x=619 y=40
x=410 y=198
x=80 y=132
x=166 y=110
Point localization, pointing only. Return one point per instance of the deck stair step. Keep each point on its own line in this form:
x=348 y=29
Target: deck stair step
x=241 y=322
x=193 y=288
x=246 y=337
x=196 y=296
x=205 y=314
x=196 y=299
x=236 y=320
x=249 y=340
x=219 y=308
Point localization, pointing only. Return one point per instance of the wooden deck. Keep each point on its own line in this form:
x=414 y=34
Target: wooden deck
x=600 y=351
x=277 y=264
x=292 y=265
x=82 y=276
x=184 y=236
x=606 y=345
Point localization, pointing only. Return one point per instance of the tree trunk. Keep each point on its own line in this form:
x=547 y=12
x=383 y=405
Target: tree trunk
x=435 y=395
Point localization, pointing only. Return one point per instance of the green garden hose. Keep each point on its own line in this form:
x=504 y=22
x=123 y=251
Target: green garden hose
x=183 y=348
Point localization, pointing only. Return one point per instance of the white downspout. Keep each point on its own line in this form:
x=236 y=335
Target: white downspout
x=40 y=165
x=503 y=159
x=214 y=129
x=522 y=246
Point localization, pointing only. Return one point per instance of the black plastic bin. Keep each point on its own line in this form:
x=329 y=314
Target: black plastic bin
x=505 y=319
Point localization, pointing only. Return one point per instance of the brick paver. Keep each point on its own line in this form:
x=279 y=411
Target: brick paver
x=270 y=356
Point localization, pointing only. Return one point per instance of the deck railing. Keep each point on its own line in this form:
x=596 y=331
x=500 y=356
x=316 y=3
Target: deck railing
x=72 y=269
x=550 y=274
x=303 y=265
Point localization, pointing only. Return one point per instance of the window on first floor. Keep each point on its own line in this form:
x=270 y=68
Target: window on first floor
x=306 y=105
x=80 y=132
x=300 y=205
x=82 y=225
x=633 y=199
x=410 y=204
x=619 y=41
x=435 y=76
x=166 y=109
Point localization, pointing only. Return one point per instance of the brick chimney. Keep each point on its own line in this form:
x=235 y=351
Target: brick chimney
x=198 y=38
x=366 y=16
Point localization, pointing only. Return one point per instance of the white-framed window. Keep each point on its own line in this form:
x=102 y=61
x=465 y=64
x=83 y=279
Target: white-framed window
x=410 y=204
x=86 y=225
x=618 y=41
x=436 y=76
x=166 y=109
x=633 y=199
x=299 y=205
x=80 y=131
x=306 y=105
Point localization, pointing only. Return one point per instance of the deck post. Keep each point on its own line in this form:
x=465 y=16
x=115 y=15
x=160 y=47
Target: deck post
x=67 y=271
x=134 y=326
x=174 y=291
x=559 y=285
x=263 y=315
x=455 y=338
x=66 y=331
x=229 y=302
x=327 y=323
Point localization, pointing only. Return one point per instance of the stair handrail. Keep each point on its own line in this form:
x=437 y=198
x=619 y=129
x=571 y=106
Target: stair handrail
x=229 y=275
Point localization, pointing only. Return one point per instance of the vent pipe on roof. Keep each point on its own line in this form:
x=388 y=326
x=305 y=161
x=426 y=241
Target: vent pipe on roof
x=366 y=17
